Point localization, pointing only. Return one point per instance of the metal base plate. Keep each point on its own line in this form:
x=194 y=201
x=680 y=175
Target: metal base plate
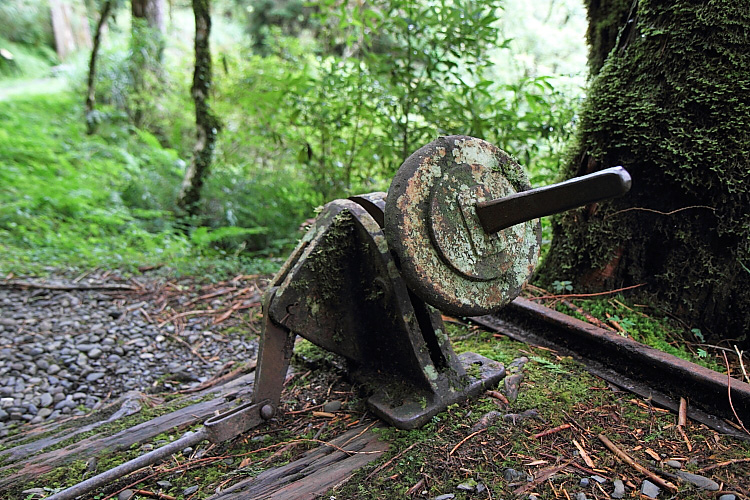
x=416 y=409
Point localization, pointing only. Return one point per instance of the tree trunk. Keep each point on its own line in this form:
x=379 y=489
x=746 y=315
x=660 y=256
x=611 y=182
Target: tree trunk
x=206 y=123
x=606 y=19
x=672 y=105
x=152 y=11
x=91 y=120
x=147 y=47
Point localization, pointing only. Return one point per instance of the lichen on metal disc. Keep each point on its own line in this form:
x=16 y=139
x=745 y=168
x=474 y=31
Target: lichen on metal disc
x=432 y=227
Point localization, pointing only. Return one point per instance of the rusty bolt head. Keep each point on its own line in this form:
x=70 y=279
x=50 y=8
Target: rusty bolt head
x=267 y=412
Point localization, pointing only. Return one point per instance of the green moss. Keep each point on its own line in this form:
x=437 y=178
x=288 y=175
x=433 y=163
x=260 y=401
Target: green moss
x=672 y=105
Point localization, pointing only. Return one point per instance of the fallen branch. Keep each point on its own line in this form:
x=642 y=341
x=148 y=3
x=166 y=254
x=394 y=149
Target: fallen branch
x=64 y=286
x=628 y=460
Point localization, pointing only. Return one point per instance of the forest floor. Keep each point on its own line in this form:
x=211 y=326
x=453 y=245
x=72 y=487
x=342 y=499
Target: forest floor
x=548 y=441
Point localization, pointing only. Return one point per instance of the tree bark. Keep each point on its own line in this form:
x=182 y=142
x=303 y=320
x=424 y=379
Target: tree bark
x=147 y=48
x=672 y=105
x=206 y=123
x=91 y=121
x=606 y=19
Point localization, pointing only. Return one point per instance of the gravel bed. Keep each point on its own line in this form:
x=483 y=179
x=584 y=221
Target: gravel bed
x=64 y=352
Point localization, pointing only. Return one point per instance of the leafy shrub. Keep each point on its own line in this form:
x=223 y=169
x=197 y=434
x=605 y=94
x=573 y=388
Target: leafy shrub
x=27 y=22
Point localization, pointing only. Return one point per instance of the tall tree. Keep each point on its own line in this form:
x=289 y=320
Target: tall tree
x=671 y=103
x=91 y=120
x=207 y=124
x=147 y=47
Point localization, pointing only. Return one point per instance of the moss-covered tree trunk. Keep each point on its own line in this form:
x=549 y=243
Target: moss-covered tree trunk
x=206 y=123
x=671 y=103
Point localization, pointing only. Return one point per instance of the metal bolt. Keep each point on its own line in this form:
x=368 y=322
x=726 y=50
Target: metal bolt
x=267 y=411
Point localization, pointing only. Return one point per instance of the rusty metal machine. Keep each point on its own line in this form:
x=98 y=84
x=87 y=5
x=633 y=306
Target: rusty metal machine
x=457 y=232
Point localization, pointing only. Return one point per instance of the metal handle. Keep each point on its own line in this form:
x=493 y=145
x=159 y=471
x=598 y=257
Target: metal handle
x=496 y=215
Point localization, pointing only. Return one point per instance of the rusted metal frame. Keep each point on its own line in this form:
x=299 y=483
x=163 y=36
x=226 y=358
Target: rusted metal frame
x=344 y=293
x=643 y=370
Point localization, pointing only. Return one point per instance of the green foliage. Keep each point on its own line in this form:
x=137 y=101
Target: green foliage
x=408 y=73
x=62 y=199
x=26 y=22
x=655 y=329
x=19 y=60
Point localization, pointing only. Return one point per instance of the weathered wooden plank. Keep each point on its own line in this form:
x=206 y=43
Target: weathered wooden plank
x=316 y=472
x=31 y=467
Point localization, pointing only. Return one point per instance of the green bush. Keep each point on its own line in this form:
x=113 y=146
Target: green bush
x=27 y=22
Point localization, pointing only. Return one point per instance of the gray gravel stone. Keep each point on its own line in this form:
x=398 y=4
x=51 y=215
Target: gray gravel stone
x=65 y=351
x=619 y=491
x=649 y=489
x=190 y=490
x=126 y=495
x=701 y=482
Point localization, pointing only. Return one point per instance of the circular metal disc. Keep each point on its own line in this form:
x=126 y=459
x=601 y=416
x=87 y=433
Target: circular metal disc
x=431 y=225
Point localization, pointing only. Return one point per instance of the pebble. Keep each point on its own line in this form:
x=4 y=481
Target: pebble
x=126 y=495
x=332 y=406
x=69 y=348
x=190 y=490
x=728 y=496
x=512 y=475
x=581 y=496
x=701 y=482
x=649 y=489
x=674 y=464
x=619 y=491
x=584 y=483
x=447 y=496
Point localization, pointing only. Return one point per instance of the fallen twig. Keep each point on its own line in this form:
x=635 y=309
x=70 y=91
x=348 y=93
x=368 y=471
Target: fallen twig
x=628 y=460
x=585 y=295
x=390 y=461
x=552 y=431
x=247 y=368
x=682 y=414
x=499 y=396
x=540 y=477
x=154 y=494
x=584 y=455
x=465 y=439
x=724 y=464
x=729 y=393
x=591 y=319
x=742 y=364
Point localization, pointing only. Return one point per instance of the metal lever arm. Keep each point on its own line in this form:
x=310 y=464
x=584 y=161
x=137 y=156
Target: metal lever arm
x=496 y=215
